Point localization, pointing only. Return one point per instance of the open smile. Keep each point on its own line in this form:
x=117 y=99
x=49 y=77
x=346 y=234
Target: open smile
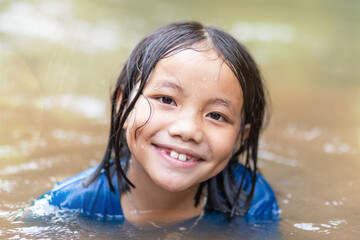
x=176 y=155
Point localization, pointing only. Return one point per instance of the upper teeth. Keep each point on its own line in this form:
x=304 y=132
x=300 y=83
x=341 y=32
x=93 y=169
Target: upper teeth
x=174 y=154
x=181 y=156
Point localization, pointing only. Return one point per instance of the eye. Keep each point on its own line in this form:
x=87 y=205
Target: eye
x=167 y=100
x=216 y=116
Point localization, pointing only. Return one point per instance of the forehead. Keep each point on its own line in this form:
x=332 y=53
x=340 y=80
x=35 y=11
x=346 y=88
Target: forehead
x=203 y=70
x=205 y=61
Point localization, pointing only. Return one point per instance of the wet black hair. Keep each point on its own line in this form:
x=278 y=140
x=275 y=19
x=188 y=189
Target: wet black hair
x=225 y=194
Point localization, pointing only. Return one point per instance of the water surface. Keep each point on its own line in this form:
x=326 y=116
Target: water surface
x=58 y=60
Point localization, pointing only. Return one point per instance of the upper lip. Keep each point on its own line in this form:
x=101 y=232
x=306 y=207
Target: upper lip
x=178 y=149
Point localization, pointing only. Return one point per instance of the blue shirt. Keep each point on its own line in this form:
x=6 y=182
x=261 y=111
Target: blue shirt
x=97 y=200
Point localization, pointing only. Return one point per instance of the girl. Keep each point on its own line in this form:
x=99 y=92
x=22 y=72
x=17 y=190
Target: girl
x=187 y=107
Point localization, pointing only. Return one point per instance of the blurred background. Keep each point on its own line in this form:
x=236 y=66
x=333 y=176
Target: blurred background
x=59 y=60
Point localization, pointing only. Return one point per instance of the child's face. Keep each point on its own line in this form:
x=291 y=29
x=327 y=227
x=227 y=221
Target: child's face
x=196 y=105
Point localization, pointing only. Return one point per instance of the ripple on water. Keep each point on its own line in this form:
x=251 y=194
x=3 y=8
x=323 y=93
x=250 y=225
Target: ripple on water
x=330 y=143
x=7 y=186
x=267 y=155
x=336 y=146
x=21 y=148
x=75 y=136
x=4 y=214
x=48 y=22
x=322 y=227
x=86 y=106
x=40 y=164
x=7 y=151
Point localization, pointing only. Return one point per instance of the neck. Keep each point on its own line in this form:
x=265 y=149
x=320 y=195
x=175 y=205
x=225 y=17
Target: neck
x=150 y=205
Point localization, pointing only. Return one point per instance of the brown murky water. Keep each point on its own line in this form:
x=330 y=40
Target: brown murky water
x=58 y=60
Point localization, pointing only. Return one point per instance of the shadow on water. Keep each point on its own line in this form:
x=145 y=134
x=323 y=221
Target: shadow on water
x=58 y=60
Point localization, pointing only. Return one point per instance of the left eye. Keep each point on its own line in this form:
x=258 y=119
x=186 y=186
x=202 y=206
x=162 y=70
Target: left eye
x=216 y=116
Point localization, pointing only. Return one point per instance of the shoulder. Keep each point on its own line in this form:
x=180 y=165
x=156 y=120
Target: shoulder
x=96 y=200
x=264 y=205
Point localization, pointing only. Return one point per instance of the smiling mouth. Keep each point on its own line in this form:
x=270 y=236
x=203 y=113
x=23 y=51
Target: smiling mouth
x=178 y=156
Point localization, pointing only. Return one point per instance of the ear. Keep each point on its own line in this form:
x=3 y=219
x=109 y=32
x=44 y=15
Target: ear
x=118 y=100
x=117 y=104
x=246 y=131
x=247 y=128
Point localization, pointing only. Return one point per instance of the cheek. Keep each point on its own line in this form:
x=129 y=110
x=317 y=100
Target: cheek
x=140 y=114
x=222 y=147
x=221 y=151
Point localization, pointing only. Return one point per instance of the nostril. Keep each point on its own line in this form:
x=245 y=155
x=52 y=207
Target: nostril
x=186 y=132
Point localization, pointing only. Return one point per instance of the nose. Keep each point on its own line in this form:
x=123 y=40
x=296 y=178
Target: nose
x=188 y=128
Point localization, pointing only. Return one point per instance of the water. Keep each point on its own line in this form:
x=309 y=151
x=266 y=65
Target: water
x=58 y=60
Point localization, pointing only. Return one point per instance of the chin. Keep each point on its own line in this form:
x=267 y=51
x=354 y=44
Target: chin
x=173 y=186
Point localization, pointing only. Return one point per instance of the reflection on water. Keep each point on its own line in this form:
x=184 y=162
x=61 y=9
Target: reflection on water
x=55 y=22
x=58 y=60
x=87 y=106
x=265 y=32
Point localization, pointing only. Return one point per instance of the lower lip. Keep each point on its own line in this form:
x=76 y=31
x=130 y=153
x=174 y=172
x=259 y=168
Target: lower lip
x=175 y=162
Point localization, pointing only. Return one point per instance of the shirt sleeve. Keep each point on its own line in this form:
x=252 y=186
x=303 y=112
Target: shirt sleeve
x=264 y=205
x=96 y=200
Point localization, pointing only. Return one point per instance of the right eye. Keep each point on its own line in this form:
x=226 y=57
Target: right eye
x=167 y=100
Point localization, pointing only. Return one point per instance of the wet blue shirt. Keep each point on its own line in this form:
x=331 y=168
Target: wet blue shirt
x=97 y=200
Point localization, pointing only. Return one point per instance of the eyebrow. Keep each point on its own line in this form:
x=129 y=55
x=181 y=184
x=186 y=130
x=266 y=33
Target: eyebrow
x=169 y=84
x=220 y=101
